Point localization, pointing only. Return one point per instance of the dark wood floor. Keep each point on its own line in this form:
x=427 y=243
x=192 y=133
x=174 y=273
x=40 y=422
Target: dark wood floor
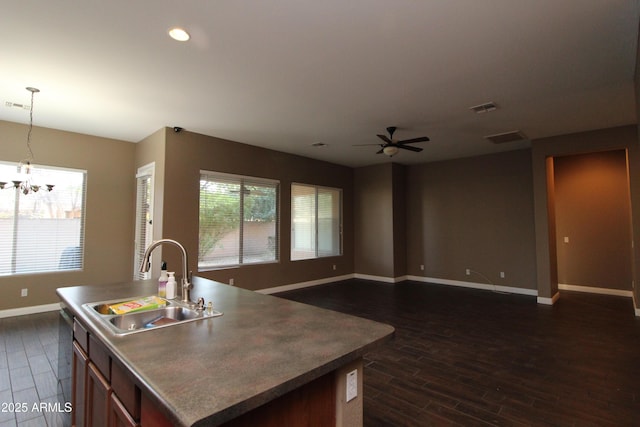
x=476 y=358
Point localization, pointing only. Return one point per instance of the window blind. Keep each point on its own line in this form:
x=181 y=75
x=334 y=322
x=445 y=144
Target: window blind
x=316 y=221
x=144 y=224
x=238 y=220
x=43 y=231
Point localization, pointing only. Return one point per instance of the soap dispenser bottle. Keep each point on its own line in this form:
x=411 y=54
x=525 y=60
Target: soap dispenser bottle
x=162 y=281
x=171 y=285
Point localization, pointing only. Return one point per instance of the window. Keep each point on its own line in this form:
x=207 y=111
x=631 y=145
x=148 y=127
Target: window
x=316 y=221
x=44 y=231
x=144 y=218
x=238 y=220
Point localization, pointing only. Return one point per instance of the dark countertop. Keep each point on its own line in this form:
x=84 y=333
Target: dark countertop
x=210 y=371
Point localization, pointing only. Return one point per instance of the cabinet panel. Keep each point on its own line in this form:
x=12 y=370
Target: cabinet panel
x=79 y=368
x=81 y=335
x=119 y=417
x=99 y=356
x=98 y=398
x=126 y=390
x=151 y=416
x=312 y=405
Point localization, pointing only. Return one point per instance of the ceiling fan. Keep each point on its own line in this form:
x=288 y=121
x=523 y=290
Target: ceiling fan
x=391 y=146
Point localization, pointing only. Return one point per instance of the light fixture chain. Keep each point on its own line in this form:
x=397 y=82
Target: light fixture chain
x=33 y=92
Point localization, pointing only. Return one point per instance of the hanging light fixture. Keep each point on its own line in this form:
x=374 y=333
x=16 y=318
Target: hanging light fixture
x=390 y=150
x=24 y=182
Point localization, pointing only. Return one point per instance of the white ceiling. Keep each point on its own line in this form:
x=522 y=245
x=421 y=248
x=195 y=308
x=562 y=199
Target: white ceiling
x=284 y=74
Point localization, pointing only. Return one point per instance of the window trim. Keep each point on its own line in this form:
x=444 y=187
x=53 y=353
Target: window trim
x=317 y=243
x=146 y=171
x=241 y=181
x=80 y=257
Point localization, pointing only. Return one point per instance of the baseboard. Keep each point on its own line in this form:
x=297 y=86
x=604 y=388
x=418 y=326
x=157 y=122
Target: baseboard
x=380 y=278
x=383 y=279
x=474 y=285
x=12 y=312
x=594 y=290
x=302 y=285
x=549 y=301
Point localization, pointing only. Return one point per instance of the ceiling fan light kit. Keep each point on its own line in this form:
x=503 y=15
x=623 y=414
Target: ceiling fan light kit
x=391 y=146
x=390 y=150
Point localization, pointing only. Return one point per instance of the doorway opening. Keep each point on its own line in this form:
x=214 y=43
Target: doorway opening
x=590 y=213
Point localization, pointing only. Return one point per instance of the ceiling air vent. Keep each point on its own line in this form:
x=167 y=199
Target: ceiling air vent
x=15 y=104
x=501 y=138
x=484 y=108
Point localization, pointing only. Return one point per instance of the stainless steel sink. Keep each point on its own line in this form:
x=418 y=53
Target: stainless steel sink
x=175 y=313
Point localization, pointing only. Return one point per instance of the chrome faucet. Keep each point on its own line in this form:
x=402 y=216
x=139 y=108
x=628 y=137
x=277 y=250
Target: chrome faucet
x=144 y=267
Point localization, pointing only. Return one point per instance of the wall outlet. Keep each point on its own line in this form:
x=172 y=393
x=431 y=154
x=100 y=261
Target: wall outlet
x=502 y=274
x=334 y=266
x=422 y=267
x=468 y=272
x=24 y=292
x=352 y=385
x=232 y=282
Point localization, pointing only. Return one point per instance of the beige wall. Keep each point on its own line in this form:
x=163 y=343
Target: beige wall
x=151 y=150
x=374 y=230
x=399 y=220
x=593 y=215
x=488 y=213
x=634 y=184
x=543 y=152
x=474 y=213
x=109 y=205
x=187 y=153
x=380 y=221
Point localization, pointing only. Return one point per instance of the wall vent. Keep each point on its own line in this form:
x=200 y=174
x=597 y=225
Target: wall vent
x=15 y=104
x=484 y=108
x=501 y=138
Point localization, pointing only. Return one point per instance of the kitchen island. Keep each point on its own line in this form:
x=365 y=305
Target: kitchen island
x=265 y=359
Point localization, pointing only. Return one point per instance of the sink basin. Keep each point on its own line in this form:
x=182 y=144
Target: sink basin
x=175 y=313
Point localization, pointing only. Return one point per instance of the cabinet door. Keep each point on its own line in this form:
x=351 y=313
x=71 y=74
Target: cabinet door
x=151 y=415
x=79 y=368
x=119 y=416
x=98 y=398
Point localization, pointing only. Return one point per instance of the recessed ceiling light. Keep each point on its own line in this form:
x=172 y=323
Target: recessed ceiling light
x=318 y=144
x=179 y=34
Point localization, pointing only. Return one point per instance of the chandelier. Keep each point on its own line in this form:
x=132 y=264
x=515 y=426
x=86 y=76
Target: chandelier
x=24 y=181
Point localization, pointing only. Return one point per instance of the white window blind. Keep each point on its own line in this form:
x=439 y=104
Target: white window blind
x=144 y=218
x=238 y=220
x=316 y=221
x=43 y=231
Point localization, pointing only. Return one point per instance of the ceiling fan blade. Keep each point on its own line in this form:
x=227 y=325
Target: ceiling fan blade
x=380 y=151
x=385 y=139
x=414 y=140
x=410 y=148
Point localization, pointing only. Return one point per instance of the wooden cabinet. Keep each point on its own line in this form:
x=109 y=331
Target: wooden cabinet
x=79 y=366
x=97 y=398
x=103 y=392
x=119 y=416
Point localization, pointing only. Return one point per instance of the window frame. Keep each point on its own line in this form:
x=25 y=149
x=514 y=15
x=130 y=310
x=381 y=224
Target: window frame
x=318 y=254
x=76 y=257
x=242 y=180
x=145 y=182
